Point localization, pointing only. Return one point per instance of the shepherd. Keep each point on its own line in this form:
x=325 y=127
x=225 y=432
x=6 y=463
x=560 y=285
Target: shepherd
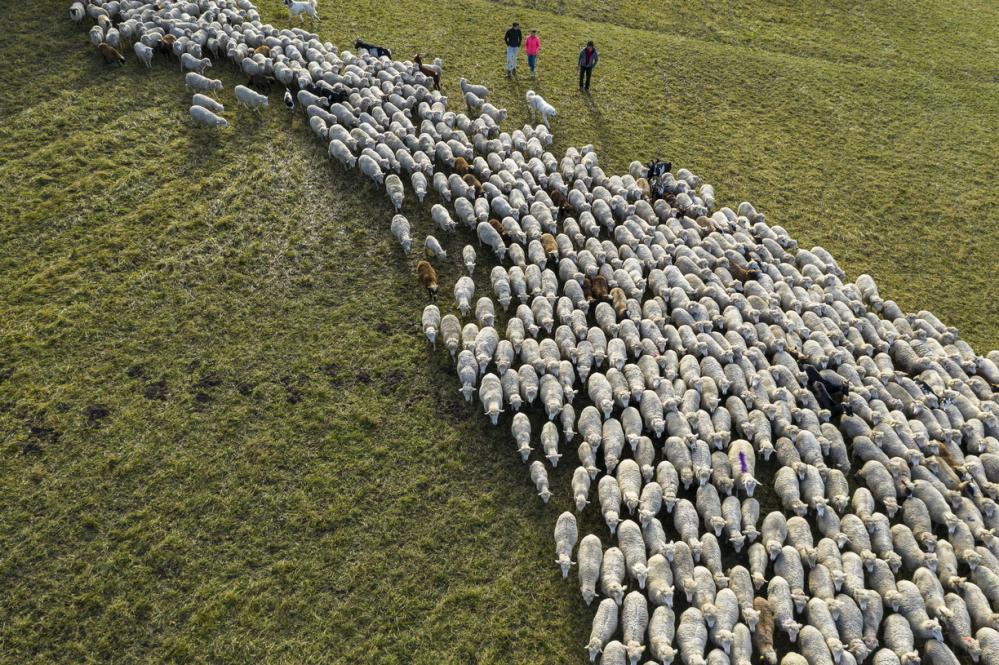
x=588 y=57
x=512 y=39
x=531 y=48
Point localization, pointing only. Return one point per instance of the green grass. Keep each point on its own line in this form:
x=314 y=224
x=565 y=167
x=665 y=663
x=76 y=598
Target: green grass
x=223 y=437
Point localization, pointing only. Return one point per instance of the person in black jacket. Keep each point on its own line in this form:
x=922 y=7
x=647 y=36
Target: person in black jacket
x=512 y=39
x=587 y=61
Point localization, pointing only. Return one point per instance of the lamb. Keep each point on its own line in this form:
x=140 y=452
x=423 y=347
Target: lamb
x=189 y=63
x=634 y=623
x=612 y=572
x=370 y=168
x=540 y=479
x=203 y=116
x=565 y=541
x=541 y=107
x=432 y=247
x=604 y=627
x=589 y=557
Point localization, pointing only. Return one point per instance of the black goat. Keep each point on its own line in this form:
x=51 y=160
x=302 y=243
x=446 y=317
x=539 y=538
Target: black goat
x=377 y=51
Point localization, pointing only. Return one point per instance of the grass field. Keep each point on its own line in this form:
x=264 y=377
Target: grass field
x=223 y=437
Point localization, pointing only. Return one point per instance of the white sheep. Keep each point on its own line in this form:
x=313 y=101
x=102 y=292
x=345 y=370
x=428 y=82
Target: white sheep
x=143 y=53
x=207 y=102
x=692 y=636
x=197 y=82
x=477 y=90
x=662 y=630
x=431 y=323
x=189 y=63
x=520 y=427
x=400 y=231
x=77 y=13
x=491 y=396
x=203 y=116
x=339 y=151
x=632 y=544
x=612 y=572
x=609 y=493
x=589 y=558
x=565 y=540
x=603 y=627
x=634 y=623
x=395 y=190
x=250 y=98
x=370 y=168
x=464 y=290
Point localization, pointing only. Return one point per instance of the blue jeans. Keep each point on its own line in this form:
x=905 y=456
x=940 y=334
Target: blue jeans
x=511 y=57
x=532 y=61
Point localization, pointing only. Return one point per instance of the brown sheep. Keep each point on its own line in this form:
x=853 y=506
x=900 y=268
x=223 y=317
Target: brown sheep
x=763 y=636
x=620 y=301
x=110 y=54
x=461 y=166
x=263 y=50
x=428 y=278
x=473 y=182
x=587 y=290
x=599 y=288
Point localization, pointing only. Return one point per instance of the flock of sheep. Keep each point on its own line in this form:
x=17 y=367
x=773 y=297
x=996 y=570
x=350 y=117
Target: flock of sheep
x=686 y=353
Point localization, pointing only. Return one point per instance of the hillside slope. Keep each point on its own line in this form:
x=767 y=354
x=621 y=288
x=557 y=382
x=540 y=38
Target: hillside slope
x=224 y=438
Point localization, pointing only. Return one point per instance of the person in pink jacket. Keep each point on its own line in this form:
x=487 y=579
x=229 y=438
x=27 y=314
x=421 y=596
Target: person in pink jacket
x=531 y=48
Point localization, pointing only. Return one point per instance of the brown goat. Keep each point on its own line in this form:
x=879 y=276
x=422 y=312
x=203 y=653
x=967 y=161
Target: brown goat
x=428 y=71
x=165 y=45
x=743 y=274
x=587 y=289
x=461 y=166
x=599 y=288
x=110 y=55
x=428 y=278
x=560 y=200
x=263 y=50
x=495 y=223
x=763 y=636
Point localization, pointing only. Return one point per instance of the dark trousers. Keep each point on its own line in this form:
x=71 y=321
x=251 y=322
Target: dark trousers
x=585 y=72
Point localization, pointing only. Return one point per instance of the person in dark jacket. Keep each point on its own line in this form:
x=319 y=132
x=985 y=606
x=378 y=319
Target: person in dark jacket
x=512 y=39
x=587 y=61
